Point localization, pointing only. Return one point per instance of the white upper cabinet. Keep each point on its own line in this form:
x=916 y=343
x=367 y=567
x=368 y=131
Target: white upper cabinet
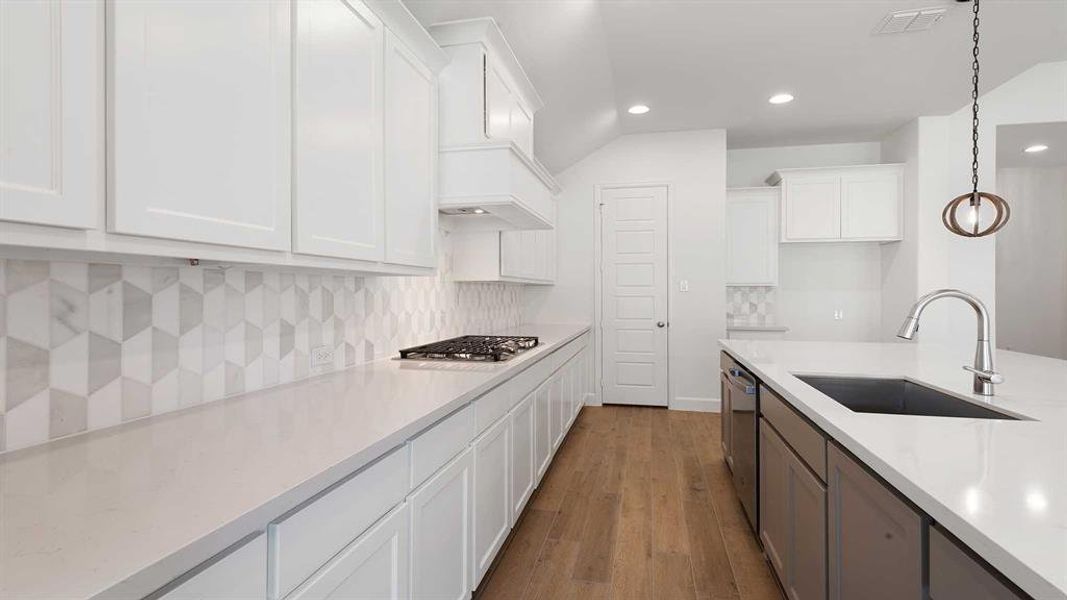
x=856 y=203
x=872 y=204
x=199 y=142
x=51 y=110
x=752 y=236
x=410 y=158
x=339 y=205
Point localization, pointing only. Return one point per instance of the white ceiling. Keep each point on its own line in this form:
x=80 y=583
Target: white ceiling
x=714 y=63
x=1012 y=139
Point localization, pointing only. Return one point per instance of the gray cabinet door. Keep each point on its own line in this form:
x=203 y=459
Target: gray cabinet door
x=875 y=537
x=774 y=498
x=956 y=575
x=792 y=518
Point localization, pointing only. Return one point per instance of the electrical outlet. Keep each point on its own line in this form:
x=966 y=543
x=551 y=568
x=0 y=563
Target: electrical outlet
x=321 y=356
x=839 y=314
x=683 y=285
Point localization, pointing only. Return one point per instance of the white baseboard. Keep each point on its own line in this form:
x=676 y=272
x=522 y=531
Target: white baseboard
x=696 y=404
x=592 y=399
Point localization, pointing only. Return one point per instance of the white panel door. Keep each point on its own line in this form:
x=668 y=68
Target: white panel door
x=871 y=204
x=752 y=236
x=523 y=473
x=340 y=209
x=199 y=145
x=441 y=513
x=634 y=295
x=542 y=431
x=51 y=112
x=811 y=207
x=410 y=158
x=374 y=566
x=492 y=506
x=240 y=575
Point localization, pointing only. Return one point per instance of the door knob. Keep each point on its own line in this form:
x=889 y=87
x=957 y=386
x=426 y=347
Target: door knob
x=660 y=324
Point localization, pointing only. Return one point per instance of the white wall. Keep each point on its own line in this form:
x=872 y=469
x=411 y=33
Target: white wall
x=940 y=149
x=817 y=279
x=749 y=167
x=1031 y=258
x=693 y=163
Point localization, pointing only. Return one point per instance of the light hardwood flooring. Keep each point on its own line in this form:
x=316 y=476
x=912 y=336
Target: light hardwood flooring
x=637 y=504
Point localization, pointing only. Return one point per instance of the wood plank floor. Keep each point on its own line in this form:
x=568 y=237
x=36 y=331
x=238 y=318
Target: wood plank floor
x=637 y=504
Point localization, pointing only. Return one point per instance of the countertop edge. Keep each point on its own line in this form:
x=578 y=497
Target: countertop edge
x=148 y=580
x=1021 y=574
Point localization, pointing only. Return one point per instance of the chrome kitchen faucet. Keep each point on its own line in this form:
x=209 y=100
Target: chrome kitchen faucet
x=984 y=375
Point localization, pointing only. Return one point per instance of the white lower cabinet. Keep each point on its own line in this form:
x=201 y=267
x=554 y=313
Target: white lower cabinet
x=523 y=474
x=542 y=431
x=492 y=505
x=555 y=408
x=441 y=513
x=240 y=574
x=374 y=566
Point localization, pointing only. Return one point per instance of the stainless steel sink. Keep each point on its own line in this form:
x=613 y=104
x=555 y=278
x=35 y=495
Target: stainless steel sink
x=897 y=397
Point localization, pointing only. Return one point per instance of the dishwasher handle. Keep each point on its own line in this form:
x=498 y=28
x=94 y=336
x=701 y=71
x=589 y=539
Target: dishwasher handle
x=742 y=380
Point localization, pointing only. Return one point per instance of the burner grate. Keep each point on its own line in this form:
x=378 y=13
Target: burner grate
x=486 y=348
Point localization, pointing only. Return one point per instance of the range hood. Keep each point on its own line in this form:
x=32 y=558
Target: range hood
x=494 y=187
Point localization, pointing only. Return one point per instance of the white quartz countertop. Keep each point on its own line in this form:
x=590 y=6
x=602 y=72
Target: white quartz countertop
x=999 y=486
x=124 y=510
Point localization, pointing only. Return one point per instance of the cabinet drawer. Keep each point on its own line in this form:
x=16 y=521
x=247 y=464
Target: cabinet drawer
x=955 y=575
x=304 y=540
x=433 y=448
x=805 y=440
x=492 y=405
x=240 y=573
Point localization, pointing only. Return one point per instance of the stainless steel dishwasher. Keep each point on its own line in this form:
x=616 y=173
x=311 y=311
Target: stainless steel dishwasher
x=740 y=412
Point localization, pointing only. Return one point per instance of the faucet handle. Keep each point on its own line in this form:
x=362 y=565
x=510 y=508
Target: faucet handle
x=990 y=376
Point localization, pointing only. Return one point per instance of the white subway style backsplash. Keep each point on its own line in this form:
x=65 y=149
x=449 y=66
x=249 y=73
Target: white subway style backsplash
x=89 y=345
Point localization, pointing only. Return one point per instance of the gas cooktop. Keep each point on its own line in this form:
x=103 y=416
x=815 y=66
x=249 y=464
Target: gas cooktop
x=481 y=348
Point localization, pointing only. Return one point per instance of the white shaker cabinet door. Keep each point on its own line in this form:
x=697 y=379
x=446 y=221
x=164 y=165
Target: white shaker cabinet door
x=51 y=111
x=199 y=145
x=542 y=431
x=811 y=207
x=374 y=566
x=492 y=507
x=239 y=575
x=339 y=205
x=523 y=469
x=410 y=158
x=752 y=236
x=441 y=513
x=871 y=204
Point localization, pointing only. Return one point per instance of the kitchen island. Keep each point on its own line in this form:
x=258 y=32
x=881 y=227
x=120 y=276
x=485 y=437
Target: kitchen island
x=998 y=486
x=117 y=513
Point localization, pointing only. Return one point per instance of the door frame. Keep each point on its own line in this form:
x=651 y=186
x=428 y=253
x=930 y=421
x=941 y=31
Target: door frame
x=598 y=282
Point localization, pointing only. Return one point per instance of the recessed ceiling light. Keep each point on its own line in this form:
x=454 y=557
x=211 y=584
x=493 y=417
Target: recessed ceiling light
x=638 y=109
x=780 y=98
x=479 y=211
x=1036 y=148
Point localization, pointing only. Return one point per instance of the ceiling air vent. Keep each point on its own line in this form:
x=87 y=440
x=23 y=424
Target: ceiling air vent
x=907 y=21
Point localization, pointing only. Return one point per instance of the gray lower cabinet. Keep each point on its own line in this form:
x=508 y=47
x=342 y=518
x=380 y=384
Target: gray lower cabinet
x=792 y=518
x=956 y=575
x=875 y=537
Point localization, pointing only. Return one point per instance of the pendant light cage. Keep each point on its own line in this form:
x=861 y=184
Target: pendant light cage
x=977 y=221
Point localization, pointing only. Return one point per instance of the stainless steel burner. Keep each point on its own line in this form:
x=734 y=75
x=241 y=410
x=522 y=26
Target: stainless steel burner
x=481 y=348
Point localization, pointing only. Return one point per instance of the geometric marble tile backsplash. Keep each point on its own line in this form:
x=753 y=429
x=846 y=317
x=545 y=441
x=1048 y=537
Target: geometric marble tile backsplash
x=89 y=345
x=751 y=305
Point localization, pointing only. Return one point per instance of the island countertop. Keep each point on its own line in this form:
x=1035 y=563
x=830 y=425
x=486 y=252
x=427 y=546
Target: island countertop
x=1000 y=486
x=121 y=511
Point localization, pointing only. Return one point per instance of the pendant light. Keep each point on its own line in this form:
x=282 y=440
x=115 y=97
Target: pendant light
x=975 y=214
